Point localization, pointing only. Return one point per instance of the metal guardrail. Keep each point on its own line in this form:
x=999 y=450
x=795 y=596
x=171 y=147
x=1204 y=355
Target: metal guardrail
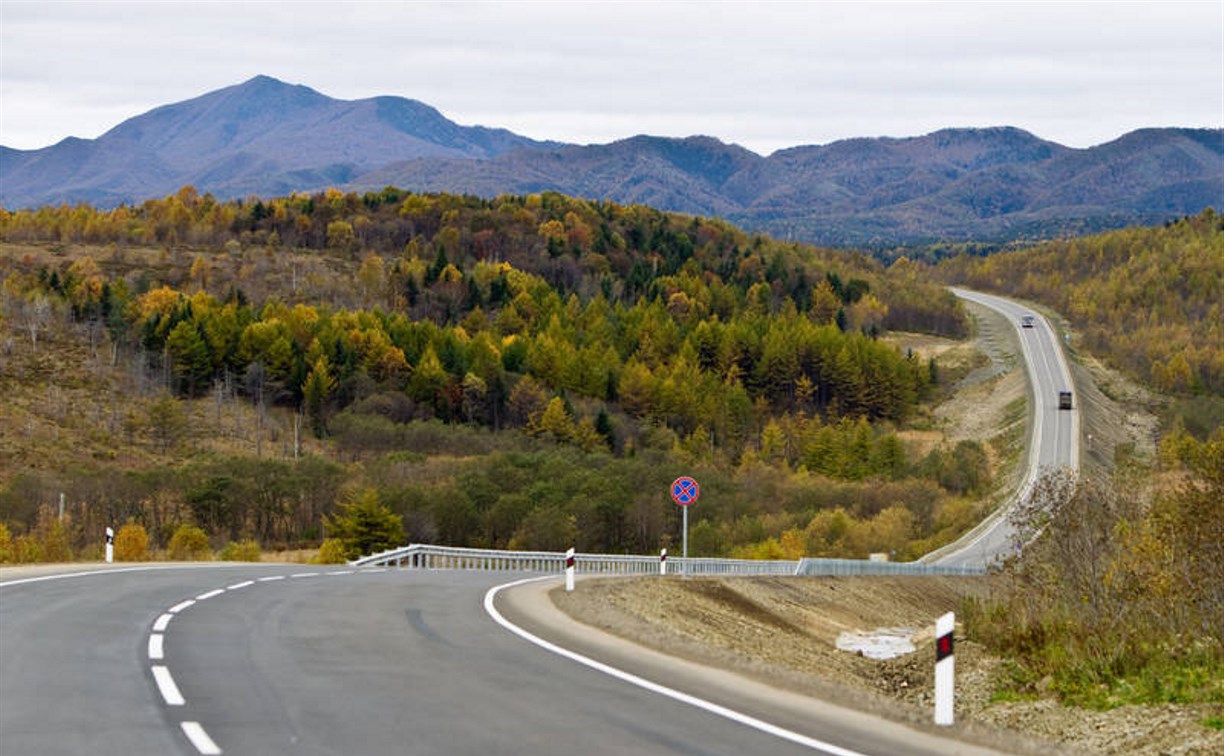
x=428 y=557
x=809 y=566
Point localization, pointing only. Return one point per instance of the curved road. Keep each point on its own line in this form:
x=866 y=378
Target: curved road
x=271 y=659
x=263 y=659
x=1054 y=433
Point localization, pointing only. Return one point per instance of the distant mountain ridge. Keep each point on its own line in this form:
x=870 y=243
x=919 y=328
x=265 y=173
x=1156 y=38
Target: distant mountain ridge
x=266 y=137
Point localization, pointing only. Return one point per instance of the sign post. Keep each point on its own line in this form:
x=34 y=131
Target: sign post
x=944 y=669
x=110 y=545
x=684 y=491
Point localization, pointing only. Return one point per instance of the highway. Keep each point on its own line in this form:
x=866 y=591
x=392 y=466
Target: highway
x=1053 y=434
x=272 y=659
x=265 y=659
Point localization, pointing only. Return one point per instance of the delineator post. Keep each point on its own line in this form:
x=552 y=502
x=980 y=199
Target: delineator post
x=944 y=668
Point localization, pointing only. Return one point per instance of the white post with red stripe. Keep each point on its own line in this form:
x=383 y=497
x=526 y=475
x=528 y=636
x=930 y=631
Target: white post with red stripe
x=569 y=570
x=944 y=668
x=110 y=545
x=663 y=562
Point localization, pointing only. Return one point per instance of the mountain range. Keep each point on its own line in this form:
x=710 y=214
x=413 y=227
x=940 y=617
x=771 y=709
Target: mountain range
x=268 y=138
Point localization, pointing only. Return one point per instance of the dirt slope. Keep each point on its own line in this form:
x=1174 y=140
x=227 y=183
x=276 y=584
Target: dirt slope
x=783 y=630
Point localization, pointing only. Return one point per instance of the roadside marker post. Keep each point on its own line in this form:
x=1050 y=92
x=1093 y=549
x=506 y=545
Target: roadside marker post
x=663 y=562
x=569 y=570
x=110 y=545
x=944 y=668
x=684 y=491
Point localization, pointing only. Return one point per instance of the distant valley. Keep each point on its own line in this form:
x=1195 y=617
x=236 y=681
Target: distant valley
x=265 y=137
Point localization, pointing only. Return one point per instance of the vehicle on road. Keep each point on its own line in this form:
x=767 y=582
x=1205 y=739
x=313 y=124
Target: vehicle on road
x=1064 y=400
x=1026 y=321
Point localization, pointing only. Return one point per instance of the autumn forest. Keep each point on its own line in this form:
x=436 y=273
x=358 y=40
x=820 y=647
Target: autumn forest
x=524 y=372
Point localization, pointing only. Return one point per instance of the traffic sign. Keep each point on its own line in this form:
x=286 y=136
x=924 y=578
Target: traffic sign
x=684 y=490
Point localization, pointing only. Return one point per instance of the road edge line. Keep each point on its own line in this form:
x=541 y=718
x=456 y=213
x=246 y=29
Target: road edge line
x=632 y=679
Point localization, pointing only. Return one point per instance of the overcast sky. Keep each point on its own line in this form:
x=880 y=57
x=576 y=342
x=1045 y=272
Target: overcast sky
x=762 y=75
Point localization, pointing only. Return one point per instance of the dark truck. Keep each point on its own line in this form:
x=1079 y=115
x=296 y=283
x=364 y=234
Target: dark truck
x=1064 y=400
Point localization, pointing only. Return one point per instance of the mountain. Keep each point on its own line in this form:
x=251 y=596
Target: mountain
x=262 y=136
x=266 y=137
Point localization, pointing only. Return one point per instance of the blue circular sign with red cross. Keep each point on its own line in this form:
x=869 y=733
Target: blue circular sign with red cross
x=685 y=491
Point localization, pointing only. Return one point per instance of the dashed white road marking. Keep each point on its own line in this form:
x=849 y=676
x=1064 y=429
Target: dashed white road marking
x=165 y=684
x=161 y=674
x=199 y=738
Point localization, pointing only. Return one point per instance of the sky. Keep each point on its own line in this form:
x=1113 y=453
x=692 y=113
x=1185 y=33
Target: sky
x=764 y=75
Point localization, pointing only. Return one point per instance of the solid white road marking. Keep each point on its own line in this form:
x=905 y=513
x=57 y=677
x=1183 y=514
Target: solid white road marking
x=157 y=650
x=210 y=594
x=87 y=573
x=662 y=690
x=180 y=606
x=204 y=744
x=160 y=625
x=165 y=684
x=243 y=584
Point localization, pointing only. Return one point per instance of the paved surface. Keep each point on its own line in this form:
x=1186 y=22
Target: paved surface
x=1054 y=433
x=284 y=659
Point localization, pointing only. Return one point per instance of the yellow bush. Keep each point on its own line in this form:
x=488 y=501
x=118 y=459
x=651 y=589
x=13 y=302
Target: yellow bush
x=6 y=544
x=132 y=543
x=331 y=552
x=241 y=551
x=189 y=543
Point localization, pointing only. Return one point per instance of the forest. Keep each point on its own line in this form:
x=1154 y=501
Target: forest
x=520 y=372
x=1150 y=299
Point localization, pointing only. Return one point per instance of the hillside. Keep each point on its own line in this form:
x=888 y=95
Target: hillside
x=480 y=367
x=1149 y=300
x=265 y=138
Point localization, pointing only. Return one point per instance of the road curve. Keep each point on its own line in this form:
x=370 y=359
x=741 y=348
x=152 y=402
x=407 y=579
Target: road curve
x=254 y=659
x=1053 y=438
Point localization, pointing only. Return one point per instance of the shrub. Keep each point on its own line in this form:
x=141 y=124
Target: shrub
x=132 y=543
x=52 y=537
x=365 y=526
x=6 y=544
x=189 y=543
x=241 y=551
x=331 y=552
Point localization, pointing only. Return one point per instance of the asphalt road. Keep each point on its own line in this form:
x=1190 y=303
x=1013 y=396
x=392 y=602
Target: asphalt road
x=291 y=660
x=1054 y=433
